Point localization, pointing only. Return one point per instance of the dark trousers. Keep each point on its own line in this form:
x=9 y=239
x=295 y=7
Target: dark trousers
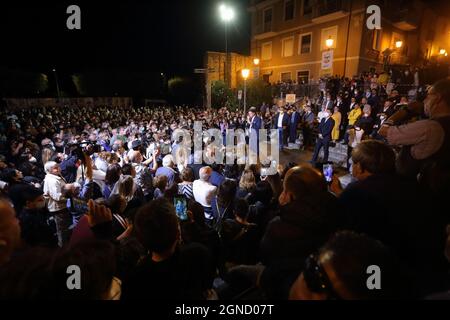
x=292 y=133
x=280 y=138
x=325 y=143
x=63 y=221
x=306 y=132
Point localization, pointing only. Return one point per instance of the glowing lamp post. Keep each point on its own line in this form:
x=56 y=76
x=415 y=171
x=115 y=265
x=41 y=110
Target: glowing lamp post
x=245 y=75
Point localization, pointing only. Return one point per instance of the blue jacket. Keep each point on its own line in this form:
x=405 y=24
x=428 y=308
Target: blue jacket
x=295 y=119
x=216 y=178
x=326 y=127
x=256 y=124
x=285 y=121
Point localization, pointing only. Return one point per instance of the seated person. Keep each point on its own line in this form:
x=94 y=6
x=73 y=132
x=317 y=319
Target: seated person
x=170 y=270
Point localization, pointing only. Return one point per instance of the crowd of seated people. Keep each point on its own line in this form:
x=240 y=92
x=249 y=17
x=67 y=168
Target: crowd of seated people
x=96 y=188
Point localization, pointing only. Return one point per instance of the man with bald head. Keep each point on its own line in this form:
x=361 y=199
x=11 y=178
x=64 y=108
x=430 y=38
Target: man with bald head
x=204 y=191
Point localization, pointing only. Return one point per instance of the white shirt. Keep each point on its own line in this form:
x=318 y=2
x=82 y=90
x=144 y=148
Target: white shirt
x=203 y=192
x=53 y=190
x=280 y=120
x=321 y=115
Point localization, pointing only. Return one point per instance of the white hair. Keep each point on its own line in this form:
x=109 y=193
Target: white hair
x=49 y=166
x=204 y=173
x=167 y=161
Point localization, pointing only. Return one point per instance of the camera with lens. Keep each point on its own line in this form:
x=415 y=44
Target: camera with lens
x=86 y=147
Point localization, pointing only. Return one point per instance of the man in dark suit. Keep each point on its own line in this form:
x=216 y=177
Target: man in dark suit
x=325 y=128
x=255 y=123
x=307 y=126
x=281 y=123
x=293 y=124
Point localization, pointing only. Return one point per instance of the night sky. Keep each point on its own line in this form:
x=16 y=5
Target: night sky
x=168 y=36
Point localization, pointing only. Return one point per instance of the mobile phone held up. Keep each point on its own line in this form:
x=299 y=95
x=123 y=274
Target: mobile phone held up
x=180 y=205
x=328 y=172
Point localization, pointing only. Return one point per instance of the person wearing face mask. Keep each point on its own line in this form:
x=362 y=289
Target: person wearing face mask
x=308 y=214
x=371 y=205
x=425 y=143
x=325 y=129
x=35 y=230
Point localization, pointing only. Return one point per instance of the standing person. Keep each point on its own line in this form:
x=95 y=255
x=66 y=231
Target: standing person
x=281 y=124
x=425 y=143
x=307 y=125
x=325 y=129
x=185 y=186
x=337 y=117
x=58 y=192
x=255 y=124
x=352 y=117
x=293 y=124
x=204 y=191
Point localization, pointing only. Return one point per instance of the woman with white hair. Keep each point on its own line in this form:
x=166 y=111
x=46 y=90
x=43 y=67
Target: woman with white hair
x=167 y=170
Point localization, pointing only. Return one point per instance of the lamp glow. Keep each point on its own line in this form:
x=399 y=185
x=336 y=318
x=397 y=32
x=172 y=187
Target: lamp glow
x=442 y=51
x=329 y=42
x=398 y=44
x=245 y=73
x=226 y=13
x=256 y=61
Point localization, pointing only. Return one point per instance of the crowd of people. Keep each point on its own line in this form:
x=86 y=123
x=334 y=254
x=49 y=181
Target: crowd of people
x=100 y=189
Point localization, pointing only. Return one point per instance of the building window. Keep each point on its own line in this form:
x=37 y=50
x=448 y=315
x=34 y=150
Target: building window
x=289 y=10
x=305 y=43
x=268 y=20
x=302 y=76
x=266 y=51
x=307 y=7
x=285 y=76
x=287 y=49
x=328 y=33
x=376 y=41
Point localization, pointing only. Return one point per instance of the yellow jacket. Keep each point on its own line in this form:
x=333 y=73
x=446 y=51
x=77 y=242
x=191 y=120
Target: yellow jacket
x=354 y=115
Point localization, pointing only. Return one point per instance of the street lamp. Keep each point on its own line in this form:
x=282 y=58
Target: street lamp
x=256 y=61
x=442 y=51
x=245 y=74
x=226 y=14
x=57 y=84
x=329 y=42
x=398 y=44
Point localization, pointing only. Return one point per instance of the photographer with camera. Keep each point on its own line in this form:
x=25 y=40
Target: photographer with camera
x=57 y=192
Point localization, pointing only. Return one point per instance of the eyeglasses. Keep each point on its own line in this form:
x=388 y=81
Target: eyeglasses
x=316 y=278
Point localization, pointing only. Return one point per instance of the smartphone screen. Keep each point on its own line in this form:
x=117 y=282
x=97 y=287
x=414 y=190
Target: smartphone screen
x=180 y=204
x=328 y=172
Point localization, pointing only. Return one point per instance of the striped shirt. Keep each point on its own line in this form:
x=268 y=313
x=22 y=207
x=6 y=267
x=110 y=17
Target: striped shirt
x=186 y=190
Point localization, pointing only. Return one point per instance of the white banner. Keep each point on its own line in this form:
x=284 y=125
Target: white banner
x=327 y=59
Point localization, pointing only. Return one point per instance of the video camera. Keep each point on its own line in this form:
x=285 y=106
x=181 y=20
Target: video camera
x=80 y=149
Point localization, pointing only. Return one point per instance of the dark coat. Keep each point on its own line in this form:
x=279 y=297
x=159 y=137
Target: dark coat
x=300 y=229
